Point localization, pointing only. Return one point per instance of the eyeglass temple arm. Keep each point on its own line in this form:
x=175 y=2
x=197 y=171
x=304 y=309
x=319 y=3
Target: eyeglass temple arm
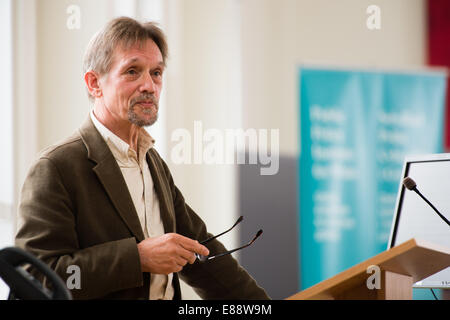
x=234 y=225
x=231 y=251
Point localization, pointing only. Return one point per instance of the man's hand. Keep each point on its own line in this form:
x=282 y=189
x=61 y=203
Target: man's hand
x=168 y=253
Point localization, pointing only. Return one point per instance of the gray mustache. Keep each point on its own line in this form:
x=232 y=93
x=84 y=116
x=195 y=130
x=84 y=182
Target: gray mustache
x=142 y=98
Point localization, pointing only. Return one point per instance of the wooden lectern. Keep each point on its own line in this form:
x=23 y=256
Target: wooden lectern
x=400 y=267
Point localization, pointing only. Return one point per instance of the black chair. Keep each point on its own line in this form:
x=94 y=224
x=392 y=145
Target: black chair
x=22 y=284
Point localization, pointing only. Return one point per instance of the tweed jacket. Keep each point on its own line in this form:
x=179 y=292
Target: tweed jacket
x=75 y=209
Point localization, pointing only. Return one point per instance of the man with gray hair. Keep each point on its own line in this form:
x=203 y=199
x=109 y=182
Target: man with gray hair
x=104 y=200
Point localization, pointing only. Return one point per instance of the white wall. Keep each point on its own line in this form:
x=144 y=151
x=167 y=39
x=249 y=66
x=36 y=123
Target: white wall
x=62 y=101
x=278 y=36
x=6 y=132
x=6 y=128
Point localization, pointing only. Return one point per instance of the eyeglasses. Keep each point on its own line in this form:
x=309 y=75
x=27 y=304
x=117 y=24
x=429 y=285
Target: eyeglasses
x=207 y=258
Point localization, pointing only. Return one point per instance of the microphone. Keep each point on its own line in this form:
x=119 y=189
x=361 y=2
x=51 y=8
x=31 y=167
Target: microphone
x=410 y=184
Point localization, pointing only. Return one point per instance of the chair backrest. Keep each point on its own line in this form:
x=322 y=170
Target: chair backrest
x=22 y=284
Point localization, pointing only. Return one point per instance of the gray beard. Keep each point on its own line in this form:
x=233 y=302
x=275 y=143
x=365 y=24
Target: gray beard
x=135 y=119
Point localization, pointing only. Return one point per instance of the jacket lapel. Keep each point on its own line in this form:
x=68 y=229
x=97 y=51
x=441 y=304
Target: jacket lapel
x=111 y=177
x=162 y=188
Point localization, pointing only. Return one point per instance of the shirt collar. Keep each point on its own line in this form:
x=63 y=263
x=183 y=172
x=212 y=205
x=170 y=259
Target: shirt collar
x=119 y=148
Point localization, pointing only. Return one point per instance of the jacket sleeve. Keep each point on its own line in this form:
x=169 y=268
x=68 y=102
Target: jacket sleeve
x=47 y=229
x=223 y=278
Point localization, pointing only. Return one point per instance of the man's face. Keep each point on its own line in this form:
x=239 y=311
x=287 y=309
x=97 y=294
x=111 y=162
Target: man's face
x=132 y=88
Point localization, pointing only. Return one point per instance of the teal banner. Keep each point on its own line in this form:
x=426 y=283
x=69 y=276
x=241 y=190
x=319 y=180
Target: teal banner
x=355 y=130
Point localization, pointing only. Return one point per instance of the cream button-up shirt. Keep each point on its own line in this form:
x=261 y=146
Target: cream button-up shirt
x=140 y=185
